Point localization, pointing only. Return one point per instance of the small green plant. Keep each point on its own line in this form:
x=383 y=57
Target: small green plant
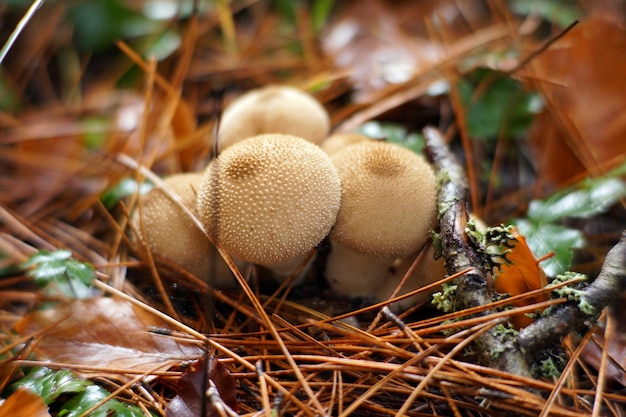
x=571 y=293
x=543 y=231
x=72 y=395
x=58 y=273
x=394 y=133
x=446 y=299
x=124 y=188
x=493 y=244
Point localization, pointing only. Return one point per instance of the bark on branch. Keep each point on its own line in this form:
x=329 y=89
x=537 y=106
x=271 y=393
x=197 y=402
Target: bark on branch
x=607 y=286
x=515 y=355
x=472 y=291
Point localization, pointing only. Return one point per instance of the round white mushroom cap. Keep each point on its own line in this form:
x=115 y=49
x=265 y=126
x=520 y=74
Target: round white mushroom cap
x=170 y=232
x=273 y=109
x=389 y=200
x=270 y=198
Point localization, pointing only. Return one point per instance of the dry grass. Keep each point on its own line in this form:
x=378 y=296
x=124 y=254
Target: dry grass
x=281 y=352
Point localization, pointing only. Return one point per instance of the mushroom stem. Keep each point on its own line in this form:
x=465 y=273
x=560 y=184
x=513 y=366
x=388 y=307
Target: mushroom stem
x=282 y=270
x=358 y=275
x=354 y=274
x=427 y=271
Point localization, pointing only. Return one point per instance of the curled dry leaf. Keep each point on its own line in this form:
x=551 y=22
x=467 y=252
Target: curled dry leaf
x=192 y=387
x=24 y=403
x=522 y=275
x=107 y=333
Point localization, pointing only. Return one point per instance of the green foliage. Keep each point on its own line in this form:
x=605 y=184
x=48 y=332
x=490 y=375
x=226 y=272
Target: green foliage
x=588 y=199
x=544 y=238
x=446 y=299
x=124 y=188
x=572 y=293
x=8 y=98
x=51 y=384
x=394 y=133
x=551 y=367
x=561 y=12
x=318 y=10
x=74 y=395
x=496 y=104
x=542 y=231
x=492 y=244
x=99 y=23
x=58 y=272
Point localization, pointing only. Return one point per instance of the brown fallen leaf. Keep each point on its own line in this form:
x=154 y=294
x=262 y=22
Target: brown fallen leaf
x=24 y=403
x=191 y=389
x=522 y=275
x=368 y=40
x=106 y=333
x=583 y=82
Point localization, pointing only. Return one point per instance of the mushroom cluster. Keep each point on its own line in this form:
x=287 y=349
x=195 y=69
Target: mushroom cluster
x=281 y=185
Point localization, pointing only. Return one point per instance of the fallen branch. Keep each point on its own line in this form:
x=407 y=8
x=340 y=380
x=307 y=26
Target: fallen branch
x=514 y=354
x=499 y=352
x=607 y=286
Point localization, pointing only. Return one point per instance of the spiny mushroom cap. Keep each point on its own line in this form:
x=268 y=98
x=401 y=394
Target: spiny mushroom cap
x=273 y=109
x=338 y=141
x=388 y=202
x=169 y=231
x=270 y=198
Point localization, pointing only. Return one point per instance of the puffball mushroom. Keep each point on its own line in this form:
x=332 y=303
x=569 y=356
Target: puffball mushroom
x=270 y=199
x=273 y=109
x=336 y=142
x=388 y=206
x=170 y=233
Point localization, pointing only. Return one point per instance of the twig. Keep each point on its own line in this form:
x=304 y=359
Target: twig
x=609 y=284
x=494 y=350
x=514 y=354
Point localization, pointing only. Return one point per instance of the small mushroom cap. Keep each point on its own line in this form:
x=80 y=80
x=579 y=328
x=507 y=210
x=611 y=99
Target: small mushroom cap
x=389 y=200
x=273 y=109
x=172 y=234
x=270 y=198
x=338 y=141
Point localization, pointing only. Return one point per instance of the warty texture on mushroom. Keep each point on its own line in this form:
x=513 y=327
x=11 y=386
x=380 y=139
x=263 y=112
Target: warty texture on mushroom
x=270 y=199
x=273 y=109
x=170 y=232
x=388 y=207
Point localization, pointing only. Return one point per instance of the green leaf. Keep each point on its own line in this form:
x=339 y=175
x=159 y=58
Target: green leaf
x=496 y=105
x=56 y=385
x=92 y=396
x=59 y=271
x=43 y=257
x=95 y=131
x=50 y=384
x=543 y=238
x=99 y=23
x=595 y=197
x=561 y=12
x=126 y=187
x=320 y=10
x=394 y=133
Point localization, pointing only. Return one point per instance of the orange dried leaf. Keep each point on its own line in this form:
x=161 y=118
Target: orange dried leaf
x=104 y=333
x=24 y=403
x=522 y=275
